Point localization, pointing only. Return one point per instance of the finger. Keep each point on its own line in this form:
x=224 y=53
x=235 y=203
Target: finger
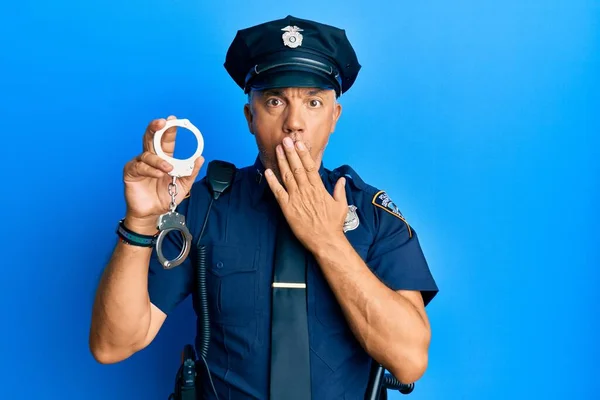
x=155 y=161
x=188 y=181
x=136 y=170
x=278 y=190
x=287 y=176
x=151 y=129
x=294 y=162
x=339 y=191
x=168 y=138
x=312 y=171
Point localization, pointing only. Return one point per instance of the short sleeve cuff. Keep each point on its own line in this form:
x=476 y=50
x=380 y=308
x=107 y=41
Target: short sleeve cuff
x=405 y=268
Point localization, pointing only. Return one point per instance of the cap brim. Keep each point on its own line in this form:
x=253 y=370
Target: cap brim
x=291 y=77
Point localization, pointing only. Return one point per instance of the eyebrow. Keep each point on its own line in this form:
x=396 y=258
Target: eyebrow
x=277 y=92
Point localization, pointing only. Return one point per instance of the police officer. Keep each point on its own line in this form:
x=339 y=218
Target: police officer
x=366 y=280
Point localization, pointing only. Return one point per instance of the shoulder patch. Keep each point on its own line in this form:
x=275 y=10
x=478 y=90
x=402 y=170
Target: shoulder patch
x=383 y=201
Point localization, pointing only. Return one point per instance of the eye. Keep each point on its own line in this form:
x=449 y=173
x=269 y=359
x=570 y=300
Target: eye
x=274 y=102
x=315 y=103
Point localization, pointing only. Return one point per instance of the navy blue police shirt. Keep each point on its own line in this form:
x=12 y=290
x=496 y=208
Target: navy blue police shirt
x=240 y=241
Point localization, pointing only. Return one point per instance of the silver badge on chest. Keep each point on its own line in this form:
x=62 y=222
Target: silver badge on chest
x=351 y=222
x=292 y=36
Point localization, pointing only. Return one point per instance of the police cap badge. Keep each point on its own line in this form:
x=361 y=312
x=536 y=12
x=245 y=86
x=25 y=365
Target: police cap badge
x=292 y=36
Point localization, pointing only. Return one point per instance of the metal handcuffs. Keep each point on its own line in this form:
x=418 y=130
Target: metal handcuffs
x=172 y=220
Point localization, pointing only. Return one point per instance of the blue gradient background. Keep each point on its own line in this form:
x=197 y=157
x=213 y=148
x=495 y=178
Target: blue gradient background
x=480 y=119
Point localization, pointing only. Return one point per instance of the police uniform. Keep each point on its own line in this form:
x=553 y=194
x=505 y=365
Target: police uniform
x=240 y=235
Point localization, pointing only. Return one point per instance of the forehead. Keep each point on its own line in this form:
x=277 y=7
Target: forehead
x=294 y=92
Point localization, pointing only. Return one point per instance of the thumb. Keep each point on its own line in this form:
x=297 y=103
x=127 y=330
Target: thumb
x=339 y=192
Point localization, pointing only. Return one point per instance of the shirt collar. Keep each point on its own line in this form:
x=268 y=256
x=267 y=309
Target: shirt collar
x=258 y=182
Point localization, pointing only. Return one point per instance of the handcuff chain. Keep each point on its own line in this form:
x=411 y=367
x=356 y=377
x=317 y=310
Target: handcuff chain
x=173 y=194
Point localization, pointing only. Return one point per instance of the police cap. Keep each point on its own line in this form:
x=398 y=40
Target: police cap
x=292 y=52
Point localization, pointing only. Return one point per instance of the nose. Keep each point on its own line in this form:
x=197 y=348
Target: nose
x=294 y=119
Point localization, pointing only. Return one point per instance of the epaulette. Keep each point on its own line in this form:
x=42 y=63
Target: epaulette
x=379 y=198
x=352 y=176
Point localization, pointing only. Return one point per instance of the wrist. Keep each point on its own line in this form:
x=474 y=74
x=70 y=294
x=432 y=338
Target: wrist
x=330 y=247
x=143 y=226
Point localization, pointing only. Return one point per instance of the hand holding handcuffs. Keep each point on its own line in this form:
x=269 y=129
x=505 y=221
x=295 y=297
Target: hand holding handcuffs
x=172 y=220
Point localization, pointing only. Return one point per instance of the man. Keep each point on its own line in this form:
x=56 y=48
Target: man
x=367 y=281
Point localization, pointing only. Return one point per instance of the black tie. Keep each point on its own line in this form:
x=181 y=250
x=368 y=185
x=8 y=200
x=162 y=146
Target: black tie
x=290 y=363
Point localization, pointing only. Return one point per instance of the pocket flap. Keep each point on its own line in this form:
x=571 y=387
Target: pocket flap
x=230 y=259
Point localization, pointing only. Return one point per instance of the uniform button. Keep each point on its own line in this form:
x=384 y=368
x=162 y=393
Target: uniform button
x=220 y=264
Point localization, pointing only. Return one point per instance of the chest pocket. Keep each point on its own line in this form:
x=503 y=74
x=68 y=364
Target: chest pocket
x=232 y=283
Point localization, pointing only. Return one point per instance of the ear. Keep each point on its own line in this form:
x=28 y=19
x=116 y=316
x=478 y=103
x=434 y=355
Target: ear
x=249 y=116
x=337 y=113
